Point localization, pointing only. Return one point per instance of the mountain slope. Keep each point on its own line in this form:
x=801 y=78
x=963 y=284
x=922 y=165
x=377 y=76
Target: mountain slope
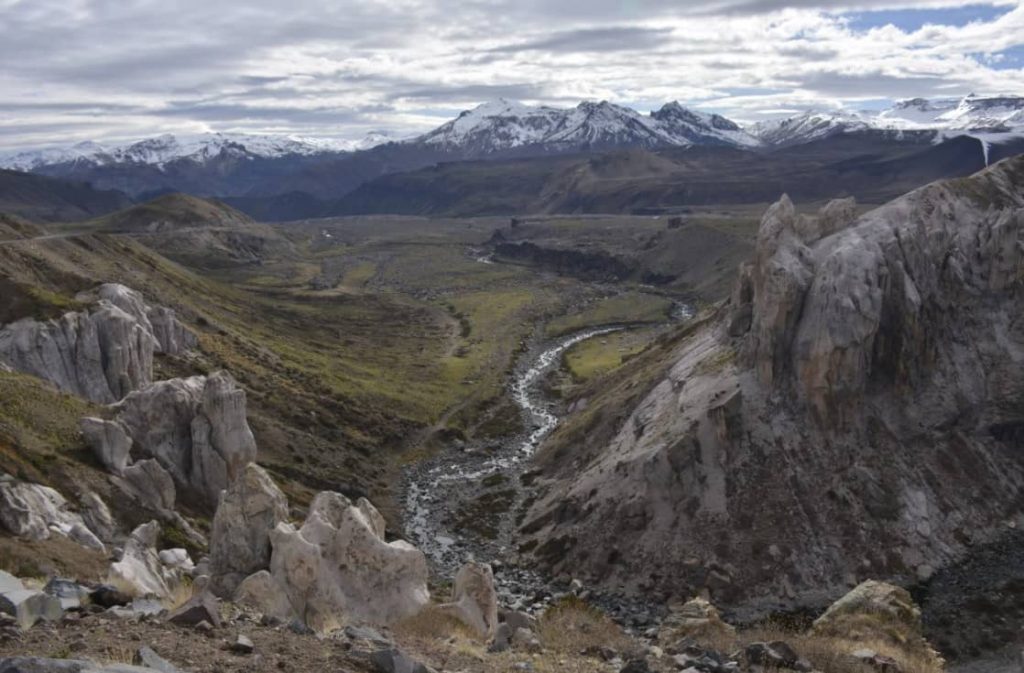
x=868 y=165
x=855 y=411
x=46 y=200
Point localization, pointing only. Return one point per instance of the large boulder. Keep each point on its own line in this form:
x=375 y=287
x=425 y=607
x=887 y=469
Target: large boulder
x=879 y=615
x=27 y=606
x=474 y=599
x=194 y=428
x=35 y=512
x=862 y=392
x=338 y=568
x=140 y=571
x=886 y=603
x=249 y=511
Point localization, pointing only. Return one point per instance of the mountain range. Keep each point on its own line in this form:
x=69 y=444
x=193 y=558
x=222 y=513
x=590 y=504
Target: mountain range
x=284 y=177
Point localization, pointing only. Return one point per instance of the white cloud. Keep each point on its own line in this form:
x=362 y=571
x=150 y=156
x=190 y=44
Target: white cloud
x=127 y=68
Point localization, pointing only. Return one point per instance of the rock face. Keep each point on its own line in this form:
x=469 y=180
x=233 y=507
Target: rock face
x=240 y=540
x=854 y=412
x=101 y=354
x=195 y=429
x=34 y=512
x=474 y=599
x=338 y=566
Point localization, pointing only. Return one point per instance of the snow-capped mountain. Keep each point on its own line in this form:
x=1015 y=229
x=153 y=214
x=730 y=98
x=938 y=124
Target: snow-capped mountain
x=164 y=149
x=503 y=125
x=989 y=118
x=807 y=127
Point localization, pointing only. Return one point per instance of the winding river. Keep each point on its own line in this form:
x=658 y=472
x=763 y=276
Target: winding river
x=435 y=487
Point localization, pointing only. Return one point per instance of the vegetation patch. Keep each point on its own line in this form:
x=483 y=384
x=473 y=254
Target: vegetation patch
x=629 y=307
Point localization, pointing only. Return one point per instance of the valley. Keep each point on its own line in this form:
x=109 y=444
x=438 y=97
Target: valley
x=631 y=405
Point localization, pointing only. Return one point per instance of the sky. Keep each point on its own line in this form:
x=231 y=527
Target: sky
x=114 y=70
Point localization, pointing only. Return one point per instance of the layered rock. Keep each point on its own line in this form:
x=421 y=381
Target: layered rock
x=855 y=412
x=338 y=568
x=195 y=430
x=101 y=354
x=248 y=513
x=35 y=512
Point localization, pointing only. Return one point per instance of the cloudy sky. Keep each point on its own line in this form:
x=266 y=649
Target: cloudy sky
x=125 y=69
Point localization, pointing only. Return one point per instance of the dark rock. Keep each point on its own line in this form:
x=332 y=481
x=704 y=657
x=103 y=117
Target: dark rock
x=393 y=660
x=107 y=596
x=201 y=608
x=599 y=652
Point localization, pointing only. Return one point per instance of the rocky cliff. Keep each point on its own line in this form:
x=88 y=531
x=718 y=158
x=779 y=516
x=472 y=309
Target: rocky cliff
x=101 y=353
x=854 y=411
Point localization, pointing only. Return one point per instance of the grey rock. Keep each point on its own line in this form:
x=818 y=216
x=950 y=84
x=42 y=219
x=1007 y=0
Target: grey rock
x=146 y=656
x=502 y=639
x=43 y=665
x=70 y=593
x=195 y=428
x=474 y=599
x=148 y=607
x=34 y=511
x=338 y=563
x=9 y=582
x=140 y=567
x=240 y=540
x=242 y=645
x=97 y=518
x=28 y=606
x=108 y=441
x=517 y=619
x=100 y=355
x=858 y=360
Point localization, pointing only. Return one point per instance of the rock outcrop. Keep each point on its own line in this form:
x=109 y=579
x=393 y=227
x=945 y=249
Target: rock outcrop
x=35 y=512
x=337 y=568
x=195 y=429
x=248 y=513
x=140 y=572
x=101 y=354
x=854 y=412
x=474 y=599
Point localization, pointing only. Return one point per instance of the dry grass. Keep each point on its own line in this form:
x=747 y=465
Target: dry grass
x=433 y=623
x=571 y=626
x=831 y=653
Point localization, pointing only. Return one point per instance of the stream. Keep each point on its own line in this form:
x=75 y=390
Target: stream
x=437 y=487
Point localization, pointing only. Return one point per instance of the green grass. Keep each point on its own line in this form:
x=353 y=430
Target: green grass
x=629 y=307
x=601 y=354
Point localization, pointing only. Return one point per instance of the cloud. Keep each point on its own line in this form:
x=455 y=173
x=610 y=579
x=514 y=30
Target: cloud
x=105 y=69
